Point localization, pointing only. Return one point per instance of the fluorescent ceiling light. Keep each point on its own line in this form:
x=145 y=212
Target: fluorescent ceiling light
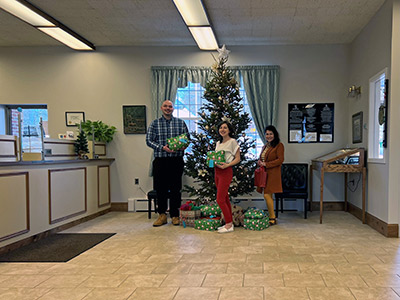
x=24 y=13
x=65 y=38
x=192 y=12
x=204 y=37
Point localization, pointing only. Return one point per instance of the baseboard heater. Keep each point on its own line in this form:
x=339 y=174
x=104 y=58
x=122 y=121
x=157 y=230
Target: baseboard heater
x=139 y=205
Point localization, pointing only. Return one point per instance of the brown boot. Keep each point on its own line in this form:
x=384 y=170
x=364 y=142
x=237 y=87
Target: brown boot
x=162 y=219
x=175 y=221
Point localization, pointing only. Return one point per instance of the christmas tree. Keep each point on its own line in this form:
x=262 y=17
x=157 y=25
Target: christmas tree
x=81 y=144
x=223 y=102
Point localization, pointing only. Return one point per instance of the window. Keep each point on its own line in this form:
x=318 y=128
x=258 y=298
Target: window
x=30 y=116
x=376 y=151
x=190 y=99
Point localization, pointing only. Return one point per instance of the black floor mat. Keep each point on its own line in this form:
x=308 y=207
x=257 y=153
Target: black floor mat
x=55 y=248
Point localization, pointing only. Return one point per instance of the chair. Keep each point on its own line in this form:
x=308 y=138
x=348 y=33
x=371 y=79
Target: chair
x=152 y=196
x=294 y=185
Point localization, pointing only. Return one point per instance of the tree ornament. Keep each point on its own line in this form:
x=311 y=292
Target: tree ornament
x=223 y=53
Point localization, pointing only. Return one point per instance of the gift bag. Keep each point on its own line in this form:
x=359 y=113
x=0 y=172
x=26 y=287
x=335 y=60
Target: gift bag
x=260 y=177
x=214 y=157
x=237 y=216
x=178 y=142
x=188 y=217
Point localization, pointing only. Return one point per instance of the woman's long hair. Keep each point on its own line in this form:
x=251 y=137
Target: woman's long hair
x=276 y=139
x=230 y=127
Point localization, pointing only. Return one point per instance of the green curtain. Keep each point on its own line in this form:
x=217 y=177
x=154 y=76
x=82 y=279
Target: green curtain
x=261 y=84
x=165 y=82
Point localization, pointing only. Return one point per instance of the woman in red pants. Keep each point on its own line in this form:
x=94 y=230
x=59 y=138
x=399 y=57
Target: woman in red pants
x=224 y=172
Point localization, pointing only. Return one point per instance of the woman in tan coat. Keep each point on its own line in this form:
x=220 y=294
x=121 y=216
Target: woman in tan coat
x=272 y=156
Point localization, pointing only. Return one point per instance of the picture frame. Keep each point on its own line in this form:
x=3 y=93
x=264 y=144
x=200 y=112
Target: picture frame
x=134 y=119
x=357 y=127
x=74 y=118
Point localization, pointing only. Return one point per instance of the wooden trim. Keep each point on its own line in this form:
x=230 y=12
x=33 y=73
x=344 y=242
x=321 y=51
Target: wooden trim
x=74 y=214
x=311 y=188
x=98 y=187
x=54 y=162
x=388 y=230
x=119 y=206
x=15 y=148
x=343 y=168
x=46 y=233
x=328 y=206
x=346 y=175
x=3 y=238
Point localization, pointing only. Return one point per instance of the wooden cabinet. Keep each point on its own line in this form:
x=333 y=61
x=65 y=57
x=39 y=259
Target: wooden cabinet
x=346 y=160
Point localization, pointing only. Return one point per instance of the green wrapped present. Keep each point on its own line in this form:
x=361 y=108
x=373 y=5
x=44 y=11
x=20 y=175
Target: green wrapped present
x=256 y=224
x=210 y=210
x=178 y=142
x=207 y=224
x=214 y=157
x=254 y=213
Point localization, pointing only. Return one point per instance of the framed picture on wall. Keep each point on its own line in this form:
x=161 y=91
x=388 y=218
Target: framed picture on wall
x=357 y=126
x=74 y=118
x=134 y=117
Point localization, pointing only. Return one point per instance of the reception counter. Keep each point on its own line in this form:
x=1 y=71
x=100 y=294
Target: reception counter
x=38 y=197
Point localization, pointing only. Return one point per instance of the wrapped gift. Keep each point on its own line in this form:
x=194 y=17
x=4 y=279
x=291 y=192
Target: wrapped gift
x=256 y=224
x=210 y=210
x=178 y=142
x=237 y=215
x=254 y=213
x=208 y=224
x=188 y=217
x=214 y=157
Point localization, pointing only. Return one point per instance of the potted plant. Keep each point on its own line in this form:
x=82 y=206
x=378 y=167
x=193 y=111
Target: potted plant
x=102 y=132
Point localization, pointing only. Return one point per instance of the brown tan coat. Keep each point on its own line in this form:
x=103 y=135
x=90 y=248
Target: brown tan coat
x=273 y=160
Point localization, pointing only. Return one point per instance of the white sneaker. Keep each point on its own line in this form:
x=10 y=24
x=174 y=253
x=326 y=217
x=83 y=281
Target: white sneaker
x=221 y=227
x=224 y=230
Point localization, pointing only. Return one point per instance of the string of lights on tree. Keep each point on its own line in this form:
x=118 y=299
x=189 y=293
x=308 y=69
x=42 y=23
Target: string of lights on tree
x=223 y=103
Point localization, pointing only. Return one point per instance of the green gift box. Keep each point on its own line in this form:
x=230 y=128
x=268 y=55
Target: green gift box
x=214 y=157
x=253 y=213
x=178 y=142
x=210 y=210
x=256 y=224
x=207 y=224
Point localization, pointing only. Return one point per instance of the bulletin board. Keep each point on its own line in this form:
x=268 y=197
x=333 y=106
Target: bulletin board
x=311 y=122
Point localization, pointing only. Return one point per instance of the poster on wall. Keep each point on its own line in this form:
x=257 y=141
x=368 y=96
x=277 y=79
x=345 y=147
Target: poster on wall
x=311 y=122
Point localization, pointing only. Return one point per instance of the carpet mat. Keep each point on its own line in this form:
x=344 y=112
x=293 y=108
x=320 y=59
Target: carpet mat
x=55 y=248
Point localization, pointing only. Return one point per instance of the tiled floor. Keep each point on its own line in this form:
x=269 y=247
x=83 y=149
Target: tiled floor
x=297 y=259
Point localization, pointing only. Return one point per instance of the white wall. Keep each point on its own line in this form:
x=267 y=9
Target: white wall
x=370 y=53
x=394 y=124
x=100 y=83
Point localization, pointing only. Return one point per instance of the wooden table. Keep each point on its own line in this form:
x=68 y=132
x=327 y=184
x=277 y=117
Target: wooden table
x=340 y=161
